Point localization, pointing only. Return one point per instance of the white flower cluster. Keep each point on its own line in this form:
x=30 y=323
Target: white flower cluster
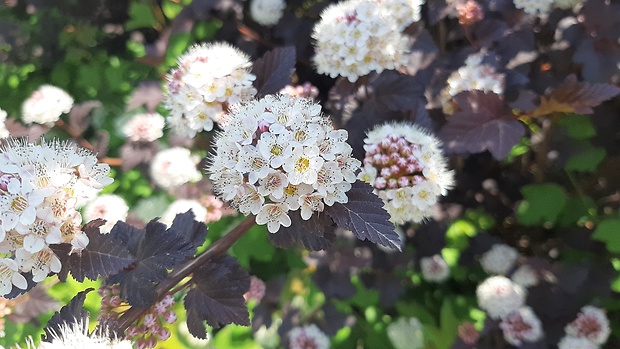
x=525 y=276
x=39 y=188
x=46 y=104
x=521 y=325
x=182 y=206
x=267 y=12
x=280 y=154
x=146 y=127
x=402 y=12
x=407 y=169
x=308 y=337
x=173 y=167
x=499 y=296
x=4 y=133
x=354 y=38
x=110 y=207
x=499 y=259
x=76 y=335
x=534 y=7
x=475 y=75
x=208 y=78
x=590 y=329
x=434 y=268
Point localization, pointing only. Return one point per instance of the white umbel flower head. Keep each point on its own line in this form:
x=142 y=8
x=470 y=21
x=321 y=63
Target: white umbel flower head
x=308 y=337
x=281 y=154
x=173 y=167
x=267 y=12
x=569 y=342
x=76 y=335
x=4 y=133
x=402 y=12
x=525 y=276
x=356 y=37
x=499 y=259
x=407 y=169
x=521 y=325
x=208 y=78
x=45 y=105
x=146 y=127
x=591 y=323
x=475 y=76
x=182 y=206
x=534 y=7
x=499 y=296
x=434 y=268
x=39 y=188
x=110 y=207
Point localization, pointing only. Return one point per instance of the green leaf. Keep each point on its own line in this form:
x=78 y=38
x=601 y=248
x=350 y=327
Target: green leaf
x=171 y=9
x=141 y=16
x=449 y=323
x=253 y=245
x=577 y=126
x=576 y=209
x=178 y=43
x=586 y=159
x=542 y=203
x=458 y=234
x=413 y=309
x=608 y=231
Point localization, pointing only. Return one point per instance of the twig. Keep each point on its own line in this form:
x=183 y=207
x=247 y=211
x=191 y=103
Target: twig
x=75 y=134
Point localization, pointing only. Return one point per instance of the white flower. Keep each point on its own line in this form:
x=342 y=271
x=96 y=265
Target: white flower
x=9 y=276
x=280 y=154
x=267 y=12
x=356 y=37
x=499 y=259
x=182 y=206
x=521 y=325
x=591 y=323
x=525 y=276
x=402 y=12
x=19 y=203
x=3 y=131
x=434 y=268
x=110 y=207
x=534 y=7
x=407 y=169
x=308 y=337
x=208 y=78
x=499 y=296
x=76 y=335
x=45 y=105
x=173 y=167
x=406 y=333
x=146 y=127
x=39 y=234
x=39 y=264
x=569 y=342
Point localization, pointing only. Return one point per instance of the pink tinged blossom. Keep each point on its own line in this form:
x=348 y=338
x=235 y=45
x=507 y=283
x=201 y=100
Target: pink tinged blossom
x=249 y=199
x=520 y=326
x=40 y=263
x=274 y=215
x=273 y=184
x=591 y=323
x=163 y=334
x=170 y=317
x=150 y=320
x=310 y=204
x=9 y=276
x=468 y=333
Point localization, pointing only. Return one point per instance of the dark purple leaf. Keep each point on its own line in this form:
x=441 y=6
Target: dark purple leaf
x=365 y=216
x=397 y=92
x=18 y=291
x=136 y=153
x=105 y=255
x=101 y=143
x=274 y=70
x=314 y=234
x=79 y=116
x=599 y=60
x=36 y=302
x=185 y=225
x=149 y=94
x=217 y=297
x=583 y=96
x=32 y=132
x=70 y=313
x=481 y=124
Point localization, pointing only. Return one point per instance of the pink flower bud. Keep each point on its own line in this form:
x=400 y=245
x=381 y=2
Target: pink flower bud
x=168 y=301
x=395 y=157
x=115 y=301
x=170 y=317
x=402 y=142
x=403 y=181
x=393 y=183
x=380 y=182
x=385 y=160
x=163 y=334
x=385 y=172
x=133 y=331
x=385 y=144
x=393 y=148
x=142 y=343
x=150 y=320
x=394 y=170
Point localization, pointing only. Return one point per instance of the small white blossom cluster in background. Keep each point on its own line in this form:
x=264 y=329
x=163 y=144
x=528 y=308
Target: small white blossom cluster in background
x=525 y=276
x=534 y=7
x=589 y=330
x=208 y=78
x=39 y=188
x=407 y=169
x=4 y=133
x=521 y=325
x=306 y=90
x=499 y=259
x=76 y=335
x=173 y=167
x=216 y=208
x=475 y=75
x=110 y=207
x=281 y=154
x=356 y=37
x=146 y=127
x=267 y=12
x=402 y=12
x=499 y=296
x=182 y=206
x=150 y=328
x=45 y=105
x=308 y=337
x=256 y=291
x=406 y=333
x=434 y=268
x=469 y=12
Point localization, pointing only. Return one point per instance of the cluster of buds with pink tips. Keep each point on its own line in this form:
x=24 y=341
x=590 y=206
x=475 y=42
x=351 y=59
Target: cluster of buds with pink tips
x=591 y=325
x=110 y=302
x=407 y=169
x=305 y=90
x=40 y=187
x=150 y=328
x=469 y=12
x=521 y=325
x=308 y=337
x=281 y=154
x=208 y=78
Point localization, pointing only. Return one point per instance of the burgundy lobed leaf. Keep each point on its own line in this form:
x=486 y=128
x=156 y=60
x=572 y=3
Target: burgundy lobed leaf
x=136 y=153
x=70 y=313
x=274 y=70
x=32 y=132
x=18 y=291
x=583 y=96
x=397 y=92
x=78 y=117
x=316 y=233
x=148 y=94
x=482 y=123
x=217 y=296
x=33 y=304
x=365 y=216
x=185 y=225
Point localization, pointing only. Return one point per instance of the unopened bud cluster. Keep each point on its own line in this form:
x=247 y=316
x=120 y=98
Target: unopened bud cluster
x=469 y=12
x=208 y=78
x=280 y=154
x=150 y=328
x=407 y=169
x=305 y=90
